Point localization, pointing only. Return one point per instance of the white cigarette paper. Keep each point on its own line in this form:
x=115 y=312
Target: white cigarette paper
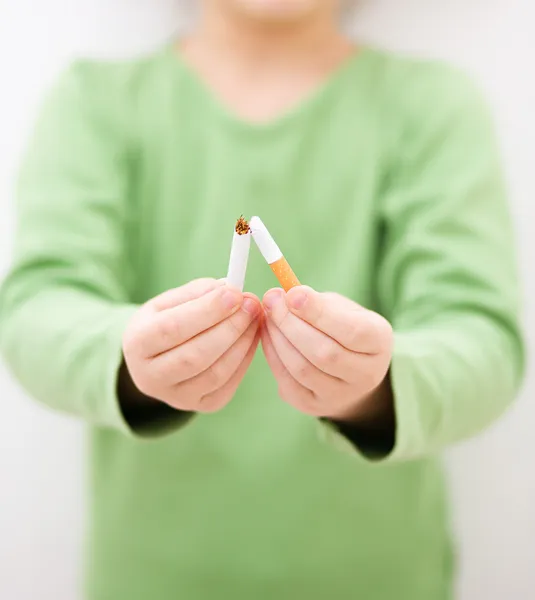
x=266 y=244
x=239 y=255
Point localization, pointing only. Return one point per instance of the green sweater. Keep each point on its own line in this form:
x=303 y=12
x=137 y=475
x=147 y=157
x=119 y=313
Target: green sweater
x=385 y=186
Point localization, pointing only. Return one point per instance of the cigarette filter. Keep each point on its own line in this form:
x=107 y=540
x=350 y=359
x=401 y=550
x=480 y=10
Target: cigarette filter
x=239 y=254
x=272 y=254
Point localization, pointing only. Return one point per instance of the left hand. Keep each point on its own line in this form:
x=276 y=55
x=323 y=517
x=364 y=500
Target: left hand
x=328 y=354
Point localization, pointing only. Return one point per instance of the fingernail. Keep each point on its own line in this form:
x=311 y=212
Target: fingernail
x=272 y=299
x=230 y=299
x=296 y=298
x=250 y=307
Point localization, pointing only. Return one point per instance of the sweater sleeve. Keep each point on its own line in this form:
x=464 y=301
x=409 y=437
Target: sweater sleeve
x=65 y=302
x=447 y=278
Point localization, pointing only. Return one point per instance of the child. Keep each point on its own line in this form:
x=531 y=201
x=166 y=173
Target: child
x=305 y=469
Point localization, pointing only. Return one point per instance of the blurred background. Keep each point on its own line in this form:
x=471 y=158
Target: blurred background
x=41 y=454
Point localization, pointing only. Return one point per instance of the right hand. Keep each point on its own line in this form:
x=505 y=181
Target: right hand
x=191 y=346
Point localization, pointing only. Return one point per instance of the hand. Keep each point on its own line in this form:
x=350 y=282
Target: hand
x=191 y=346
x=328 y=354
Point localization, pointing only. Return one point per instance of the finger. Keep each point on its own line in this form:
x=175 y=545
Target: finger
x=290 y=391
x=318 y=348
x=187 y=360
x=300 y=368
x=191 y=291
x=219 y=373
x=175 y=326
x=354 y=327
x=222 y=396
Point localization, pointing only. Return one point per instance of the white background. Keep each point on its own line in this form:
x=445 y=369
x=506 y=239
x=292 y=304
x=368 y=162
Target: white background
x=493 y=478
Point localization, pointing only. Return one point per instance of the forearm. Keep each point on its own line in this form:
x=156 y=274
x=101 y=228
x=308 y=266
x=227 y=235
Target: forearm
x=63 y=344
x=447 y=381
x=452 y=379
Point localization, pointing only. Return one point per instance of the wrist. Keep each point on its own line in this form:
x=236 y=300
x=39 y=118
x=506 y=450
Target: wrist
x=144 y=413
x=374 y=411
x=371 y=426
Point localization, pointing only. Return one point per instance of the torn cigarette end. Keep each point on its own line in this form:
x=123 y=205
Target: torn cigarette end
x=242 y=227
x=272 y=255
x=239 y=254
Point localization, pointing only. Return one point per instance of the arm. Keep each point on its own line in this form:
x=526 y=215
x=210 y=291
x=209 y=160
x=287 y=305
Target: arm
x=448 y=280
x=66 y=302
x=451 y=358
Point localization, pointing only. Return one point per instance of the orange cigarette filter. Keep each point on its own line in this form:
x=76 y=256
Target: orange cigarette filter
x=272 y=254
x=284 y=273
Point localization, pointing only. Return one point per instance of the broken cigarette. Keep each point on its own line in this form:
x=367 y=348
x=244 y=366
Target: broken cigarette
x=239 y=254
x=272 y=254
